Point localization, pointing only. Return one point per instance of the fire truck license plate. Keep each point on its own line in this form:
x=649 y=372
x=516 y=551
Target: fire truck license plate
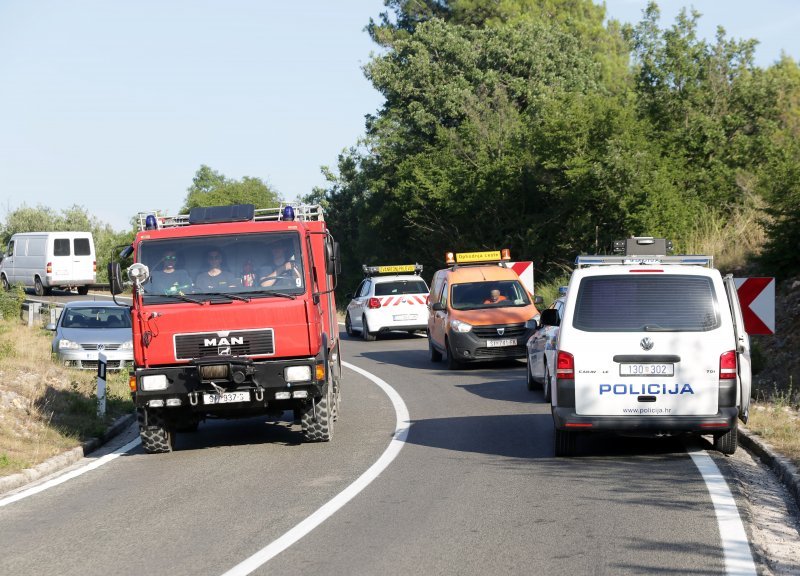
x=647 y=369
x=226 y=397
x=498 y=343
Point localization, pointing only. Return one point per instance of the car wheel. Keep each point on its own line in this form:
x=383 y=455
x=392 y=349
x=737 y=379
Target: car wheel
x=434 y=354
x=157 y=437
x=348 y=326
x=319 y=428
x=83 y=290
x=546 y=384
x=365 y=333
x=564 y=443
x=728 y=442
x=452 y=362
x=38 y=287
x=6 y=285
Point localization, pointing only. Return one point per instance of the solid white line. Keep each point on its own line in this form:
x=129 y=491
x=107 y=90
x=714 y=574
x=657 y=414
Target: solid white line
x=327 y=510
x=735 y=547
x=70 y=475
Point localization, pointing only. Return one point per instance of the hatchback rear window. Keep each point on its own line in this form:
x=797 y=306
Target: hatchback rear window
x=646 y=303
x=400 y=287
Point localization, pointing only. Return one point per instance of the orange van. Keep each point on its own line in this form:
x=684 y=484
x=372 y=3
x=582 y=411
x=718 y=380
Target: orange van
x=478 y=309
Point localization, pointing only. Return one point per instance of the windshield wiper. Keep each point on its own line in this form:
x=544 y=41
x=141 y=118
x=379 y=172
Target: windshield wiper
x=270 y=293
x=228 y=295
x=654 y=328
x=177 y=296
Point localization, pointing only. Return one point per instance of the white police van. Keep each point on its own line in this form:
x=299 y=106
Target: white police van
x=650 y=344
x=389 y=298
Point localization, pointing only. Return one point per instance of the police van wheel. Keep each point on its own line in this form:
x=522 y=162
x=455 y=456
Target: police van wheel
x=348 y=326
x=564 y=443
x=435 y=355
x=529 y=380
x=546 y=385
x=727 y=443
x=157 y=437
x=365 y=333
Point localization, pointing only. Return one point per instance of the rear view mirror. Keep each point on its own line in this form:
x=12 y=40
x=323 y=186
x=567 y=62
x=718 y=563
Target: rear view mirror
x=115 y=278
x=438 y=306
x=538 y=301
x=550 y=317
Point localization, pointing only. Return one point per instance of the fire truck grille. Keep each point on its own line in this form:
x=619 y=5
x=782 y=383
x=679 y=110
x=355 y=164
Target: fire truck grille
x=234 y=343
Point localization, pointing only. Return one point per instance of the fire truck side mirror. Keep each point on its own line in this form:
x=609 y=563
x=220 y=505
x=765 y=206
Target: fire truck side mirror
x=115 y=278
x=333 y=263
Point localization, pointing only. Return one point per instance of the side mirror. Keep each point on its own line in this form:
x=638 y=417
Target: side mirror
x=50 y=326
x=549 y=317
x=532 y=324
x=438 y=306
x=333 y=263
x=115 y=278
x=538 y=301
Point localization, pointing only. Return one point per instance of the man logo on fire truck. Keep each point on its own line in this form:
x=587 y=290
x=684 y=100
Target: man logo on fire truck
x=226 y=346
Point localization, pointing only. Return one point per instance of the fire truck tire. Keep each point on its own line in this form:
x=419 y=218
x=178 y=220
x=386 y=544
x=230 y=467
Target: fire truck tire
x=435 y=355
x=365 y=333
x=452 y=362
x=727 y=443
x=348 y=326
x=157 y=437
x=564 y=443
x=320 y=430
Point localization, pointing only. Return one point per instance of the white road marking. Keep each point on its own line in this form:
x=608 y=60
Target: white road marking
x=327 y=510
x=735 y=547
x=70 y=475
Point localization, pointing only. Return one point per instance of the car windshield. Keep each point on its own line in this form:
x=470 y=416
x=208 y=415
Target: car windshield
x=400 y=287
x=95 y=318
x=657 y=303
x=225 y=267
x=488 y=294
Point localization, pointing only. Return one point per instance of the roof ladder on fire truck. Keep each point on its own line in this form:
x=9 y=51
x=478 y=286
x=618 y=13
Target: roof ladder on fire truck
x=302 y=212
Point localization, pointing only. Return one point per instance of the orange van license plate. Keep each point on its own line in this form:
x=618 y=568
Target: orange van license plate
x=499 y=343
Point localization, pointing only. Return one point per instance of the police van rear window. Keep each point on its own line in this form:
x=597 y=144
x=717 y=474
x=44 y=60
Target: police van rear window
x=646 y=303
x=400 y=287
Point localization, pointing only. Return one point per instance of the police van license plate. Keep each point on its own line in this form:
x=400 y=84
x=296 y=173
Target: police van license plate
x=498 y=343
x=647 y=369
x=226 y=397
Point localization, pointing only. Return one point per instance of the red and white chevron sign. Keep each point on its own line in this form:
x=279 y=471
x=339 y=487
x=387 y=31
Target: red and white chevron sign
x=525 y=272
x=757 y=299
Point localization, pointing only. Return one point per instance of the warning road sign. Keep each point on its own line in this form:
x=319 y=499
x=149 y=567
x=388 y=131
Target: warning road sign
x=525 y=272
x=757 y=299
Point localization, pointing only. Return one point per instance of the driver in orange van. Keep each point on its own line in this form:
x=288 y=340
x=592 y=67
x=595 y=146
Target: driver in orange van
x=494 y=297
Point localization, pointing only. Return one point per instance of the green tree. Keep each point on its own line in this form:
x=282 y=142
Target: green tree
x=210 y=188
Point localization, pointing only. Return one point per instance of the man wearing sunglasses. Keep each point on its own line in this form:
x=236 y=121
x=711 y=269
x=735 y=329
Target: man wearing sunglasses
x=169 y=279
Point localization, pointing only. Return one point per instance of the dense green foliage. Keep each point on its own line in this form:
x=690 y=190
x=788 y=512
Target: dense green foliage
x=533 y=124
x=210 y=188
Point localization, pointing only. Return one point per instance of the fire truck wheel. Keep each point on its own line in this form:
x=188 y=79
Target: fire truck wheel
x=348 y=326
x=157 y=437
x=365 y=333
x=727 y=443
x=321 y=429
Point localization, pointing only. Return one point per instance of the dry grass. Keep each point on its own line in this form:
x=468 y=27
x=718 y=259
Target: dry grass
x=779 y=425
x=46 y=408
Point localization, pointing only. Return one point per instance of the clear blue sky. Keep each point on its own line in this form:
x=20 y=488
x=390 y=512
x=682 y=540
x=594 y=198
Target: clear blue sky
x=114 y=105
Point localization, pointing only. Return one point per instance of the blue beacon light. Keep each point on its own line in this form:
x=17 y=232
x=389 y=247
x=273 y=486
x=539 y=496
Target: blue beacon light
x=150 y=223
x=288 y=213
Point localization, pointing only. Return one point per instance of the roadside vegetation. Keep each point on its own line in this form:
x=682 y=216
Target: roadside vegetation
x=46 y=408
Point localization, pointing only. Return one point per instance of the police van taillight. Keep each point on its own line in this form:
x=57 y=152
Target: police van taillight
x=565 y=366
x=727 y=365
x=373 y=303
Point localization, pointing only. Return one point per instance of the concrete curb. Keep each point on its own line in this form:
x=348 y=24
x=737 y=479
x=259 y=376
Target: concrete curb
x=786 y=471
x=64 y=459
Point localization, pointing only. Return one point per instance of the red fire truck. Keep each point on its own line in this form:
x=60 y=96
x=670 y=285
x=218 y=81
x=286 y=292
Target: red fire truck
x=233 y=316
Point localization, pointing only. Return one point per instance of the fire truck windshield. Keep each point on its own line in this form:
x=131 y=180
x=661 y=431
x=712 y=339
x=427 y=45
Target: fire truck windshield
x=251 y=264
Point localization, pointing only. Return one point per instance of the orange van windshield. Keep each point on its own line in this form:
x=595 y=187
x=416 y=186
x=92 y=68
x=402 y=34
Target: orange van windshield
x=475 y=295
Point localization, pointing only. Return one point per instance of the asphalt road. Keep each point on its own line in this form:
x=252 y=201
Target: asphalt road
x=475 y=490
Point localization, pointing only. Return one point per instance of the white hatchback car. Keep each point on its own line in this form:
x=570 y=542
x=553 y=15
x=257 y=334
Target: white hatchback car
x=389 y=302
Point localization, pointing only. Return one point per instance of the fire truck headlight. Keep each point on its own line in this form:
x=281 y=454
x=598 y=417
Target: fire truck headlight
x=297 y=373
x=155 y=382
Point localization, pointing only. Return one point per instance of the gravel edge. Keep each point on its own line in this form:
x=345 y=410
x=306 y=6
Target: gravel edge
x=61 y=461
x=785 y=470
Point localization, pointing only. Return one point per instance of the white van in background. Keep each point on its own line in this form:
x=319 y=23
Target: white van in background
x=650 y=344
x=47 y=260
